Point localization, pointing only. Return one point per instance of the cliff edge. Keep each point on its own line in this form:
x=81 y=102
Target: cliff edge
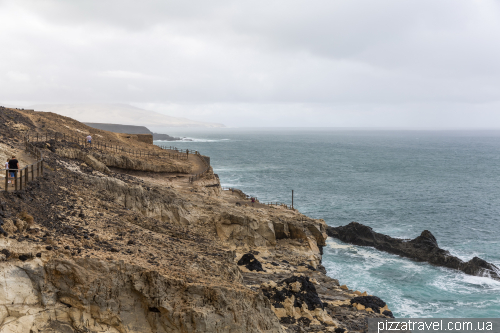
x=105 y=241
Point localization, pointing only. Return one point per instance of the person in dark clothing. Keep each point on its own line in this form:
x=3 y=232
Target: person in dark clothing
x=13 y=167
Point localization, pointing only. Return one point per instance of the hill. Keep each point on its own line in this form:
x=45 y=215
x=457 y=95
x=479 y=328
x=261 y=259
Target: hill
x=119 y=113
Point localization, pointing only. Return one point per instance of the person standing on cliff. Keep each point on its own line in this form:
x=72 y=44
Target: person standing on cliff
x=7 y=168
x=89 y=139
x=13 y=165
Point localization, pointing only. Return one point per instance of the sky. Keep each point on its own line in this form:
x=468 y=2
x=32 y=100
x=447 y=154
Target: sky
x=339 y=63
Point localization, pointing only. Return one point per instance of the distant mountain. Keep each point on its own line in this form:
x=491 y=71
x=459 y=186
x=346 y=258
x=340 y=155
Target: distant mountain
x=119 y=113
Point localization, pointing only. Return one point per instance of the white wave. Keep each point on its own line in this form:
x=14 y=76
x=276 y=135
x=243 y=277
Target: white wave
x=407 y=308
x=479 y=304
x=460 y=283
x=463 y=254
x=334 y=245
x=202 y=140
x=483 y=281
x=186 y=139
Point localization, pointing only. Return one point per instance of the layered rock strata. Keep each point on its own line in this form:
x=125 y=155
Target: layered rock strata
x=89 y=249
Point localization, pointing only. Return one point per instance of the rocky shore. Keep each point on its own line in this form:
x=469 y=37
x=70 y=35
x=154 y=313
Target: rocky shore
x=422 y=248
x=105 y=242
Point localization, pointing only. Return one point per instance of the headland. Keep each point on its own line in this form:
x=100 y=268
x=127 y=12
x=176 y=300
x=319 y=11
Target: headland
x=120 y=235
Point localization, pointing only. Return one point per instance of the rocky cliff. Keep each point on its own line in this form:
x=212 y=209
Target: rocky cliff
x=100 y=243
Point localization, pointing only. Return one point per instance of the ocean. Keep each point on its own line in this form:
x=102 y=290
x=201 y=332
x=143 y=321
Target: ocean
x=397 y=182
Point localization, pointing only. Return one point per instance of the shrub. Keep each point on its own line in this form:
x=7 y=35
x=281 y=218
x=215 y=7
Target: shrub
x=26 y=217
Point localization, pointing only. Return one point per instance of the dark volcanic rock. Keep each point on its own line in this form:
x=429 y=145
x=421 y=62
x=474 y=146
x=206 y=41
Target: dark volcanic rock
x=6 y=253
x=250 y=262
x=303 y=292
x=388 y=313
x=372 y=302
x=422 y=248
x=23 y=257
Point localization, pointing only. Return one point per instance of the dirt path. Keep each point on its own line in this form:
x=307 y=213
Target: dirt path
x=198 y=165
x=22 y=156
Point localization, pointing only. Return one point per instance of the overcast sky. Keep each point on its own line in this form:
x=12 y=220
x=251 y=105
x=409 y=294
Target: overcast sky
x=421 y=63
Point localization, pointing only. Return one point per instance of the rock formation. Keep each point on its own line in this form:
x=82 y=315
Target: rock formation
x=100 y=243
x=422 y=248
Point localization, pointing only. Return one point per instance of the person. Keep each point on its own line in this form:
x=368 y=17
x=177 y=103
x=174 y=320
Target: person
x=89 y=139
x=7 y=168
x=253 y=201
x=13 y=165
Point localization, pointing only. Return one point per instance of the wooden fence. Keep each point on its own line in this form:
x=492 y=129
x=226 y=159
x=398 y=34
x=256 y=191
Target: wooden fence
x=19 y=178
x=168 y=152
x=242 y=194
x=279 y=204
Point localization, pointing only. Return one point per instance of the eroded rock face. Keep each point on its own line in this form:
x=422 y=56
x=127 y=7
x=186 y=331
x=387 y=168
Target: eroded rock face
x=422 y=248
x=87 y=158
x=295 y=300
x=118 y=251
x=123 y=161
x=101 y=161
x=264 y=231
x=64 y=295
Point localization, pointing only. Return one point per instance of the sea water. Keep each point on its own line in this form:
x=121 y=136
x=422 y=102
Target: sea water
x=397 y=182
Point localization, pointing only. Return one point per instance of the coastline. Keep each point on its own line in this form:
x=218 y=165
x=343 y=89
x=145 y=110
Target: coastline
x=147 y=250
x=396 y=183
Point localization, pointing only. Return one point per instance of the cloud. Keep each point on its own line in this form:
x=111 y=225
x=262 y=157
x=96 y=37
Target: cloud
x=226 y=59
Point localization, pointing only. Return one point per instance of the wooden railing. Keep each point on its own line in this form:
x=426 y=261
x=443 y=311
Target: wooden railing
x=279 y=204
x=168 y=152
x=246 y=196
x=22 y=176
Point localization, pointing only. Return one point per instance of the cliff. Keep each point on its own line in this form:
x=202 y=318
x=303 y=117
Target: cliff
x=140 y=131
x=118 y=128
x=106 y=242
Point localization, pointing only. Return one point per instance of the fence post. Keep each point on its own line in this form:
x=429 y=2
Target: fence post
x=20 y=180
x=6 y=180
x=41 y=167
x=26 y=171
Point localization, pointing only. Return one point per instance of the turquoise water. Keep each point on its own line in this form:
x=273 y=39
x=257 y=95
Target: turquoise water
x=397 y=182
